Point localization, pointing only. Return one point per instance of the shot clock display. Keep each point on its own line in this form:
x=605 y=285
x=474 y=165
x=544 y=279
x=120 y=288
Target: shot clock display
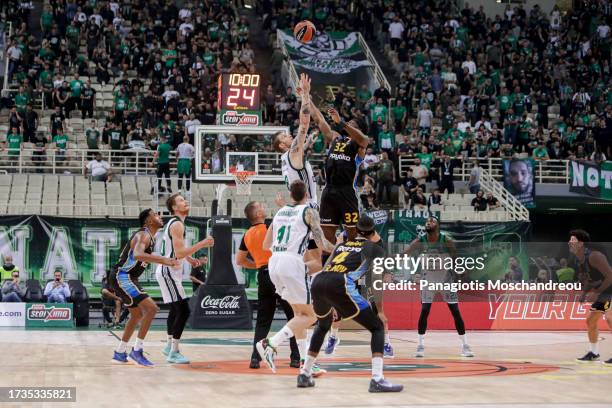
x=239 y=92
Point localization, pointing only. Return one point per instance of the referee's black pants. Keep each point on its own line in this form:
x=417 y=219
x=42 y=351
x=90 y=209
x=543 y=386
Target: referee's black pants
x=267 y=298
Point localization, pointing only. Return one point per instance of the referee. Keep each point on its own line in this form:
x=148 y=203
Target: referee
x=252 y=244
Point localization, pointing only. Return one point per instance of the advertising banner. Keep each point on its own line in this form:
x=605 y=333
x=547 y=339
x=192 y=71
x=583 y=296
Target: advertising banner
x=592 y=179
x=12 y=314
x=519 y=180
x=49 y=315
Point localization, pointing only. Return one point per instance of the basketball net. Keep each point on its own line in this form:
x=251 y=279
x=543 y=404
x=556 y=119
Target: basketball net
x=244 y=180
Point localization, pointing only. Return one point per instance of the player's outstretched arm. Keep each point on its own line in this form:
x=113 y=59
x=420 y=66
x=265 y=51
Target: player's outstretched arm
x=322 y=124
x=142 y=241
x=314 y=222
x=296 y=152
x=181 y=251
x=355 y=134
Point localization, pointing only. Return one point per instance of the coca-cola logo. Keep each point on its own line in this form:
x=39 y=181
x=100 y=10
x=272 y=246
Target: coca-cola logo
x=226 y=302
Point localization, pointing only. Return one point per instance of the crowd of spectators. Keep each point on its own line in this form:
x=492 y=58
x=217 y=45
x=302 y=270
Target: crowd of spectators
x=472 y=85
x=469 y=86
x=162 y=62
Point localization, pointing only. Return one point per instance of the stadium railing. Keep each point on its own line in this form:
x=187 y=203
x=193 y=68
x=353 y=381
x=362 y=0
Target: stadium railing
x=549 y=171
x=141 y=162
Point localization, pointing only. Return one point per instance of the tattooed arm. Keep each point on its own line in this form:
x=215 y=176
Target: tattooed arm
x=296 y=152
x=314 y=222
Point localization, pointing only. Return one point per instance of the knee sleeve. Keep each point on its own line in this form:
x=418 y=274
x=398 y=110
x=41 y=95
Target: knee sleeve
x=459 y=325
x=321 y=329
x=372 y=322
x=182 y=314
x=425 y=308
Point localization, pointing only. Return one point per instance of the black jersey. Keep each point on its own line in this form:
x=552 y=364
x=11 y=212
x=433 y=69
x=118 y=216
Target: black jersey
x=127 y=262
x=354 y=257
x=342 y=162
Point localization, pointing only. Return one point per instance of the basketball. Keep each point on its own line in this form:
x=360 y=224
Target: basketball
x=304 y=31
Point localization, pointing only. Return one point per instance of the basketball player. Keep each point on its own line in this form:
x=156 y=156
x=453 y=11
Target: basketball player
x=288 y=237
x=170 y=279
x=293 y=163
x=339 y=202
x=333 y=340
x=135 y=255
x=252 y=243
x=335 y=289
x=595 y=270
x=436 y=244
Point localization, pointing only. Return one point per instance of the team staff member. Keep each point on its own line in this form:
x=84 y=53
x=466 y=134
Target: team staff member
x=252 y=244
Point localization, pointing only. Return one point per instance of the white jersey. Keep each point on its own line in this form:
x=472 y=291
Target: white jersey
x=305 y=174
x=170 y=279
x=290 y=233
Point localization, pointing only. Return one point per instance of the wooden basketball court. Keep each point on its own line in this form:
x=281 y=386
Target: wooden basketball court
x=513 y=369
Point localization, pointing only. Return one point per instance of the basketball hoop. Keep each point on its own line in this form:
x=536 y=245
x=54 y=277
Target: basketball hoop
x=244 y=180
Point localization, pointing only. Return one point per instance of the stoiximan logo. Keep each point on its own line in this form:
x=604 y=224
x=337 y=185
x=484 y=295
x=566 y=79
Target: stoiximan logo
x=44 y=313
x=239 y=119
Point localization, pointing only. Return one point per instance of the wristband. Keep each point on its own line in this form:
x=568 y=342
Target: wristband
x=339 y=126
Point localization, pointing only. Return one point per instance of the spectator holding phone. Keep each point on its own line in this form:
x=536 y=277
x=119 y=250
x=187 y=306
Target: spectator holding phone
x=57 y=291
x=12 y=290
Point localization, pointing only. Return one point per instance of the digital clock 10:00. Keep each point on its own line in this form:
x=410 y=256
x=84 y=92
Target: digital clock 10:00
x=251 y=80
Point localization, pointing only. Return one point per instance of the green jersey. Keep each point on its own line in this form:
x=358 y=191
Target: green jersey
x=379 y=112
x=92 y=137
x=76 y=85
x=14 y=143
x=60 y=141
x=21 y=101
x=163 y=151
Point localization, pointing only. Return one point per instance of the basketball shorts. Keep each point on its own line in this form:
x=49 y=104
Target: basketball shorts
x=289 y=275
x=603 y=302
x=428 y=295
x=127 y=288
x=339 y=206
x=333 y=290
x=170 y=283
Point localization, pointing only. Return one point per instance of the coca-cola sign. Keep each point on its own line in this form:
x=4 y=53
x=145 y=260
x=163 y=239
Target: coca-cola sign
x=226 y=302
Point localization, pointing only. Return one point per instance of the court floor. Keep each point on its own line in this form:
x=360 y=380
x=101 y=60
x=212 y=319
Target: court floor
x=510 y=369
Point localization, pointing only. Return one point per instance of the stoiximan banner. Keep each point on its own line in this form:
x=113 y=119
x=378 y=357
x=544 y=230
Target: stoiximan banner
x=592 y=179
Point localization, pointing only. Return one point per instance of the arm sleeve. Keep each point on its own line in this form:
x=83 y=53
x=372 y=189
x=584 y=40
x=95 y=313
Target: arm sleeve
x=48 y=289
x=373 y=251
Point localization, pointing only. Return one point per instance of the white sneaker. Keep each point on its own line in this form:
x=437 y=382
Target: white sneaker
x=466 y=351
x=420 y=351
x=267 y=353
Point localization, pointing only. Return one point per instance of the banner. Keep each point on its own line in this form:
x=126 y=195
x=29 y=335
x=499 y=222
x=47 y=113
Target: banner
x=330 y=59
x=85 y=249
x=592 y=179
x=519 y=180
x=12 y=314
x=49 y=315
x=410 y=224
x=220 y=307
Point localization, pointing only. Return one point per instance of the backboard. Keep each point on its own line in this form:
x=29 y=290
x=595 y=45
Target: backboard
x=221 y=150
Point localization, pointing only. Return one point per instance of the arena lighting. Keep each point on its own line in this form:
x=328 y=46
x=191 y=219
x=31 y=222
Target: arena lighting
x=599 y=203
x=563 y=209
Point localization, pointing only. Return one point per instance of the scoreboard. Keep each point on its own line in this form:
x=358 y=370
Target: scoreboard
x=239 y=99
